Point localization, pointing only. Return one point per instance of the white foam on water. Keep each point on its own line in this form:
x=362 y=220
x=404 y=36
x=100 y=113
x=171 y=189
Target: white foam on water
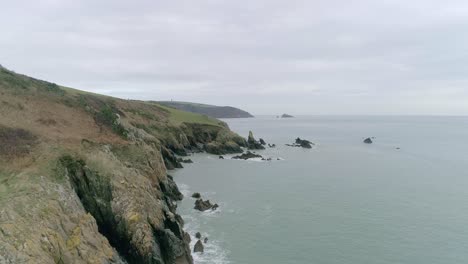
x=213 y=252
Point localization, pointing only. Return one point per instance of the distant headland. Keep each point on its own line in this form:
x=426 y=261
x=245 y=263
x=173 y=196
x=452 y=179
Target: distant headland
x=209 y=110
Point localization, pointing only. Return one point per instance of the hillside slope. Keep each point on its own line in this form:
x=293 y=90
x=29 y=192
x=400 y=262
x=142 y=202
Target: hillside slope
x=83 y=177
x=209 y=110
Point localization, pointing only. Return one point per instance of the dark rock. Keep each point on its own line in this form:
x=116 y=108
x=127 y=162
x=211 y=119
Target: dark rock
x=368 y=141
x=221 y=157
x=170 y=189
x=271 y=145
x=252 y=143
x=198 y=235
x=185 y=160
x=215 y=206
x=204 y=205
x=262 y=141
x=247 y=155
x=198 y=247
x=206 y=240
x=301 y=143
x=196 y=195
x=286 y=116
x=170 y=159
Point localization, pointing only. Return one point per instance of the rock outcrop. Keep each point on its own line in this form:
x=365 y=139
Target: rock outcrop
x=198 y=247
x=368 y=141
x=286 y=116
x=247 y=155
x=252 y=143
x=301 y=143
x=201 y=205
x=84 y=180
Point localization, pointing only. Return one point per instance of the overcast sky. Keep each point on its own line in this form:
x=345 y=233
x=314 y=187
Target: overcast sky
x=265 y=56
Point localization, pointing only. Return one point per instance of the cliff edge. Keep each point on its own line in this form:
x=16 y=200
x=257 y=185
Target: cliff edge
x=83 y=177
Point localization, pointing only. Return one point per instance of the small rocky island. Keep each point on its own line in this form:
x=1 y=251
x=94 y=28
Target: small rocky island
x=368 y=140
x=286 y=116
x=304 y=143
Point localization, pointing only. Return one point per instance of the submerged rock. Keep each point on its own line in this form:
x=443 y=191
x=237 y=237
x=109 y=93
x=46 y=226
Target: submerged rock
x=206 y=240
x=202 y=206
x=198 y=235
x=198 y=247
x=368 y=141
x=247 y=155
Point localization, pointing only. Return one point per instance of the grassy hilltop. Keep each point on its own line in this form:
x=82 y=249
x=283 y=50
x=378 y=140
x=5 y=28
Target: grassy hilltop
x=209 y=110
x=83 y=177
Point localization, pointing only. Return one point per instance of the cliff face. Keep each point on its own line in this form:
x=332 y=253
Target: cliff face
x=83 y=177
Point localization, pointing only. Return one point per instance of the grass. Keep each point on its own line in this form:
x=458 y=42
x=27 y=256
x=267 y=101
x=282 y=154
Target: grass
x=178 y=117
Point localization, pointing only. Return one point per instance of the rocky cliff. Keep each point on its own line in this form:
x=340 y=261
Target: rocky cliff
x=83 y=177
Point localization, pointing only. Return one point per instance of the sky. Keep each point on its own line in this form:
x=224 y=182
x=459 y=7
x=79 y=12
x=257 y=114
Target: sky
x=363 y=57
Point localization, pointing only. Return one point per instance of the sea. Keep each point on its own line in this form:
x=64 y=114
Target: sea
x=402 y=199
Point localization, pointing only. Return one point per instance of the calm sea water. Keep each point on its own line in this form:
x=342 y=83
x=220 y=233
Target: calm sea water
x=342 y=201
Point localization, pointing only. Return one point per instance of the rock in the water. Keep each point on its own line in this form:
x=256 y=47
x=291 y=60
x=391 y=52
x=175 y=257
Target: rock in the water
x=196 y=195
x=286 y=116
x=185 y=160
x=271 y=145
x=198 y=235
x=221 y=157
x=247 y=155
x=252 y=143
x=301 y=143
x=206 y=240
x=198 y=247
x=368 y=141
x=204 y=205
x=262 y=141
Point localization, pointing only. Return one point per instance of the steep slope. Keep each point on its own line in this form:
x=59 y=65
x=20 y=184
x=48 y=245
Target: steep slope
x=209 y=110
x=83 y=177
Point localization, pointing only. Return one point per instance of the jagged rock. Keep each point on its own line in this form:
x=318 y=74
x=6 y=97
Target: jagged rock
x=247 y=155
x=196 y=195
x=304 y=143
x=170 y=189
x=198 y=235
x=271 y=145
x=252 y=143
x=262 y=141
x=221 y=157
x=206 y=240
x=185 y=160
x=368 y=141
x=215 y=206
x=170 y=159
x=204 y=205
x=198 y=247
x=301 y=143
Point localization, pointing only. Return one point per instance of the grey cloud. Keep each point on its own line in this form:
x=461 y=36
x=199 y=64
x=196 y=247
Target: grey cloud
x=303 y=57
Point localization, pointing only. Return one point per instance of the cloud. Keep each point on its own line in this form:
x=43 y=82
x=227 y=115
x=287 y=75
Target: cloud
x=303 y=57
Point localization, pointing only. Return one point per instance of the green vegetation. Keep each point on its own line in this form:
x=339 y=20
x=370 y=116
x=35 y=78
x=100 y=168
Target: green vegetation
x=209 y=110
x=108 y=116
x=178 y=117
x=13 y=80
